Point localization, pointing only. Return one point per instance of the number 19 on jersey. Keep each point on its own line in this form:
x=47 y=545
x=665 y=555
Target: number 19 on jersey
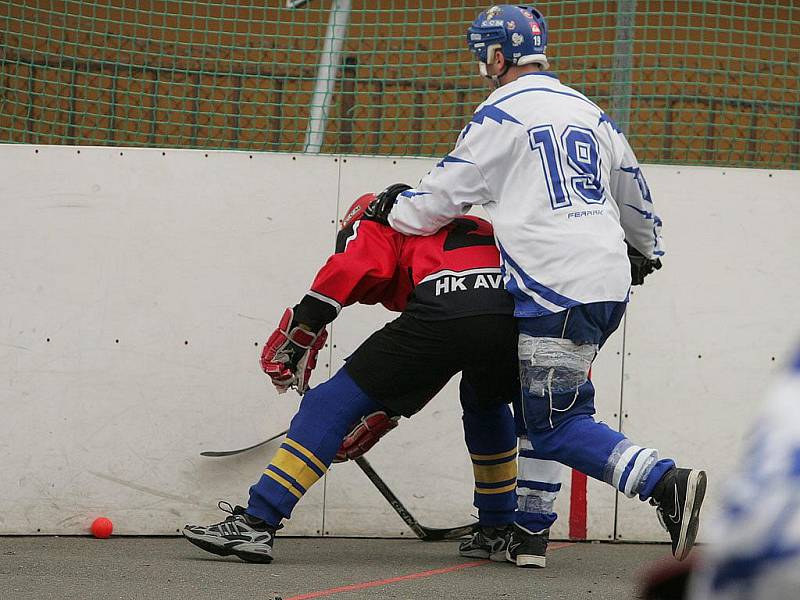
x=583 y=178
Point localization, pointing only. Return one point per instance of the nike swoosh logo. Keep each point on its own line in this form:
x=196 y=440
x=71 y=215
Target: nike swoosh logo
x=512 y=547
x=676 y=517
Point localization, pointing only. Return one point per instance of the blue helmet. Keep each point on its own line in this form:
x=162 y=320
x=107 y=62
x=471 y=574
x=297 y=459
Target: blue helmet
x=520 y=32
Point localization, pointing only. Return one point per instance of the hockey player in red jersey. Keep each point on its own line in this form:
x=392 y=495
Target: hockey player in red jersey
x=456 y=317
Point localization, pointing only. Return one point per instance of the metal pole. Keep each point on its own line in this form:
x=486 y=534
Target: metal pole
x=326 y=74
x=623 y=62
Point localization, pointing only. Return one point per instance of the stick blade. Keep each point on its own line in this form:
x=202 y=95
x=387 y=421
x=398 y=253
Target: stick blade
x=452 y=533
x=222 y=453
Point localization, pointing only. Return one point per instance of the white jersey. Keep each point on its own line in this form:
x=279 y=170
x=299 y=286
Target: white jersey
x=755 y=540
x=561 y=186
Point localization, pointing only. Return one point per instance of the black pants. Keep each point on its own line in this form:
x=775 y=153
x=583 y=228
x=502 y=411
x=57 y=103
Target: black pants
x=405 y=364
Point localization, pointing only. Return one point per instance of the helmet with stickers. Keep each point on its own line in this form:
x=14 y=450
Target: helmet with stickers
x=520 y=32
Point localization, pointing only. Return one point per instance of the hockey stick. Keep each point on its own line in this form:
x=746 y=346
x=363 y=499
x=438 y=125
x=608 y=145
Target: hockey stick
x=426 y=534
x=216 y=454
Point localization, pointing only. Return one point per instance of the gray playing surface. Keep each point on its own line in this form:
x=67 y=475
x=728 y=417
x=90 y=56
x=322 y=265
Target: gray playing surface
x=44 y=568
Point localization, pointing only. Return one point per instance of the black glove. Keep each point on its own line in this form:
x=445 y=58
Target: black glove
x=641 y=266
x=379 y=209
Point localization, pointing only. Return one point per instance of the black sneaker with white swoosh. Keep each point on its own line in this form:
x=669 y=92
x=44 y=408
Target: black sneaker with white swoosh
x=240 y=534
x=678 y=497
x=528 y=549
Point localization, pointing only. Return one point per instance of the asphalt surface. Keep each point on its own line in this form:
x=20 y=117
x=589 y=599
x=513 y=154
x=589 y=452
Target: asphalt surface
x=44 y=568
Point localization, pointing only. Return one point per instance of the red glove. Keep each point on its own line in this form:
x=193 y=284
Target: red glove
x=290 y=354
x=365 y=435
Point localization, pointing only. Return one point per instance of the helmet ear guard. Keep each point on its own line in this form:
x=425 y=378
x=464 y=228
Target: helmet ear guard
x=489 y=52
x=483 y=67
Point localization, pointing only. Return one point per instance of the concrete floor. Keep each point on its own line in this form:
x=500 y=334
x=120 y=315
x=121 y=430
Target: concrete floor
x=43 y=568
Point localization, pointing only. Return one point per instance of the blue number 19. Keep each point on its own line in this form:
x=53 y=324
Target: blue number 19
x=581 y=147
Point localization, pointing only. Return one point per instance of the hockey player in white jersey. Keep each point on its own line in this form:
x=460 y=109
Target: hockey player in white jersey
x=555 y=173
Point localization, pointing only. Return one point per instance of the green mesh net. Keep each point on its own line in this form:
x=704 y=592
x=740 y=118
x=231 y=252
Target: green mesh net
x=692 y=81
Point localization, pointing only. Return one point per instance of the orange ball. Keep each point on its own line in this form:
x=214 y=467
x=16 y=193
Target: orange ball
x=102 y=528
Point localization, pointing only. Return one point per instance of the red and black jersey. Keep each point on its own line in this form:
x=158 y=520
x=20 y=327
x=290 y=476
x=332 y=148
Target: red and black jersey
x=452 y=273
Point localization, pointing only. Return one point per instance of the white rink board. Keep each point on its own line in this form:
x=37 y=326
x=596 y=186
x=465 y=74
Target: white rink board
x=707 y=332
x=154 y=251
x=157 y=250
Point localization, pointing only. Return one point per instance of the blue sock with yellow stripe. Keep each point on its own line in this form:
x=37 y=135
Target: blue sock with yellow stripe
x=325 y=415
x=492 y=443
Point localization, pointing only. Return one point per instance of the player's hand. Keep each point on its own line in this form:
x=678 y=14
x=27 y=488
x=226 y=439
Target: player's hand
x=290 y=354
x=379 y=209
x=641 y=266
x=365 y=435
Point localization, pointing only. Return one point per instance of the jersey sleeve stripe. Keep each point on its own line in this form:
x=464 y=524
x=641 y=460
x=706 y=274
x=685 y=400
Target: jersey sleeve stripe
x=452 y=159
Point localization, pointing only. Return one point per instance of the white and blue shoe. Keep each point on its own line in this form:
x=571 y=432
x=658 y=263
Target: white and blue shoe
x=240 y=534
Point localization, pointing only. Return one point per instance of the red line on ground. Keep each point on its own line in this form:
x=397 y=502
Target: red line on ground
x=378 y=582
x=577 y=507
x=558 y=545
